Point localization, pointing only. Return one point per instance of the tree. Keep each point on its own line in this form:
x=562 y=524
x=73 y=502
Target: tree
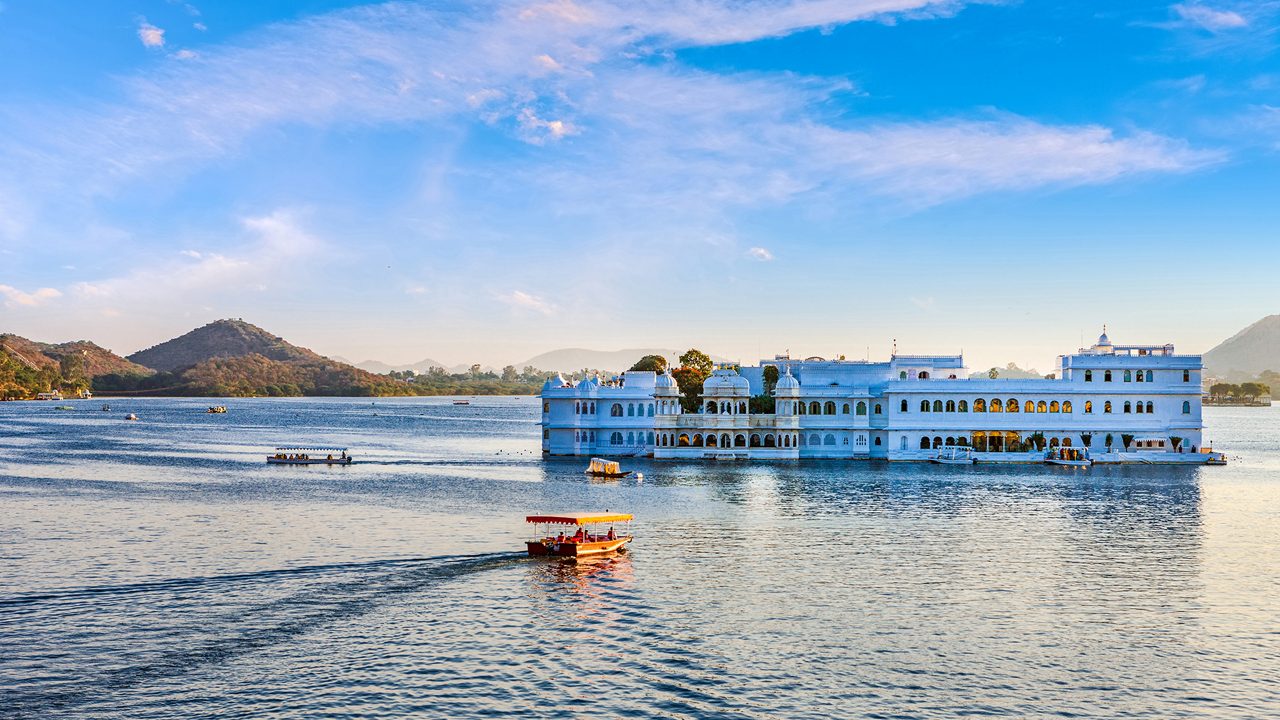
x=1127 y=440
x=1253 y=390
x=509 y=373
x=690 y=382
x=770 y=378
x=475 y=370
x=651 y=363
x=698 y=360
x=1220 y=389
x=1175 y=441
x=1110 y=440
x=993 y=373
x=1087 y=439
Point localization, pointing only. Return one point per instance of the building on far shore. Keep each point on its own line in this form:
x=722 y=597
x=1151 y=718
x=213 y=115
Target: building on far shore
x=1136 y=403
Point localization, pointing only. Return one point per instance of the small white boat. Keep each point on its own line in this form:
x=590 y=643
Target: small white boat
x=953 y=455
x=309 y=456
x=599 y=467
x=1068 y=456
x=55 y=395
x=130 y=416
x=461 y=402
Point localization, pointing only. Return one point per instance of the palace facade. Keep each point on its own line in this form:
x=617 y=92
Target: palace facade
x=1134 y=402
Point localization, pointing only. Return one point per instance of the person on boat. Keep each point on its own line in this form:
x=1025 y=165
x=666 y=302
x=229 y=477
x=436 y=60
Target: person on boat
x=611 y=534
x=560 y=538
x=579 y=536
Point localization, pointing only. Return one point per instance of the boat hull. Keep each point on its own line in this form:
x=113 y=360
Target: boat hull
x=309 y=461
x=941 y=461
x=1070 y=463
x=574 y=550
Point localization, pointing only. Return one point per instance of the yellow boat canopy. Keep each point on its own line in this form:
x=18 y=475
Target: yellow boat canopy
x=578 y=518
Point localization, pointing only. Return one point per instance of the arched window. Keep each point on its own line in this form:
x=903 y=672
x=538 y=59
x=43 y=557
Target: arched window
x=755 y=440
x=1151 y=376
x=1150 y=408
x=1053 y=442
x=963 y=406
x=951 y=406
x=924 y=406
x=1128 y=408
x=739 y=440
x=1128 y=376
x=1031 y=406
x=1066 y=442
x=801 y=408
x=650 y=409
x=950 y=440
x=649 y=438
x=1139 y=378
x=829 y=439
x=844 y=409
x=711 y=440
x=937 y=443
x=902 y=375
x=1011 y=405
x=1066 y=406
x=742 y=408
x=711 y=407
x=577 y=408
x=995 y=405
x=877 y=441
x=1088 y=376
x=904 y=406
x=937 y=406
x=814 y=439
x=1106 y=407
x=725 y=440
x=860 y=408
x=1186 y=376
x=1186 y=407
x=979 y=405
x=593 y=409
x=879 y=409
x=631 y=438
x=616 y=410
x=768 y=441
x=922 y=375
x=1042 y=406
x=546 y=407
x=1138 y=409
x=924 y=443
x=1054 y=407
x=615 y=439
x=631 y=409
x=815 y=408
x=1106 y=376
x=1088 y=407
x=829 y=408
x=697 y=440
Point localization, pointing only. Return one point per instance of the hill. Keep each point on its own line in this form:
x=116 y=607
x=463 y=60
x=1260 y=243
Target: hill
x=1009 y=372
x=422 y=366
x=221 y=339
x=572 y=359
x=28 y=367
x=1249 y=352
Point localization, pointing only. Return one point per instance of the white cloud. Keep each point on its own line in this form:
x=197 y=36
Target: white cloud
x=14 y=297
x=1208 y=18
x=522 y=300
x=150 y=35
x=759 y=253
x=200 y=26
x=186 y=54
x=924 y=303
x=537 y=131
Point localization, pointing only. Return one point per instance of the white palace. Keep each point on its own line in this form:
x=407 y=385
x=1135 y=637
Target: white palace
x=1138 y=403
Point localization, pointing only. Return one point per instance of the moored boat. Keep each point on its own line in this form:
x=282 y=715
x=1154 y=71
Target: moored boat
x=461 y=402
x=599 y=467
x=1069 y=456
x=586 y=541
x=130 y=416
x=304 y=456
x=953 y=455
x=217 y=409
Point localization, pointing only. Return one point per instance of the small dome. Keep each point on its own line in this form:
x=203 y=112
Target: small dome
x=726 y=381
x=1103 y=340
x=788 y=385
x=665 y=380
x=587 y=385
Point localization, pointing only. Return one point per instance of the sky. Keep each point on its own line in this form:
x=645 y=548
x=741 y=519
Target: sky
x=482 y=182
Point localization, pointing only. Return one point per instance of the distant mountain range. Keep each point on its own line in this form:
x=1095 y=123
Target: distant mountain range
x=96 y=360
x=573 y=359
x=420 y=367
x=1249 y=352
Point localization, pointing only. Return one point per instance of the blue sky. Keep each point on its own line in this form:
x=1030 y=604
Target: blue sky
x=485 y=181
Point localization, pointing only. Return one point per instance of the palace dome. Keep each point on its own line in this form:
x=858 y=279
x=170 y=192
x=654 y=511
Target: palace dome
x=666 y=382
x=1103 y=340
x=726 y=381
x=787 y=385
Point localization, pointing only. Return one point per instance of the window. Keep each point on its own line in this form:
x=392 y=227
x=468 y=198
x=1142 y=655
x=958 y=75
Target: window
x=593 y=409
x=962 y=406
x=815 y=408
x=577 y=408
x=801 y=408
x=1139 y=408
x=768 y=441
x=1088 y=407
x=1186 y=407
x=1042 y=406
x=1066 y=406
x=861 y=408
x=829 y=408
x=1128 y=408
x=879 y=409
x=902 y=375
x=615 y=439
x=1128 y=376
x=829 y=439
x=1106 y=377
x=951 y=406
x=995 y=406
x=1088 y=376
x=649 y=438
x=922 y=375
x=814 y=439
x=1151 y=376
x=631 y=409
x=937 y=406
x=877 y=442
x=546 y=434
x=904 y=406
x=903 y=442
x=1150 y=408
x=1011 y=405
x=1140 y=378
x=711 y=440
x=844 y=409
x=924 y=406
x=650 y=409
x=711 y=407
x=924 y=443
x=979 y=405
x=1053 y=406
x=616 y=410
x=1106 y=407
x=546 y=407
x=739 y=440
x=1186 y=376
x=1031 y=406
x=742 y=408
x=937 y=443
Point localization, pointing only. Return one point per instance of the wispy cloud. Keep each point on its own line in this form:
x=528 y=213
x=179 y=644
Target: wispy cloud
x=1207 y=18
x=150 y=35
x=522 y=300
x=13 y=297
x=759 y=253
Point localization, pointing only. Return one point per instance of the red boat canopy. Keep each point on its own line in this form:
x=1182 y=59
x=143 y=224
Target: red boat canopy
x=578 y=518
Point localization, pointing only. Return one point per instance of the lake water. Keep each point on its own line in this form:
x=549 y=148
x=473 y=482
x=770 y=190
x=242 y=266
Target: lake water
x=162 y=569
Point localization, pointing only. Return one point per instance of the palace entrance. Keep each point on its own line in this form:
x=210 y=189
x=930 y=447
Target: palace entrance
x=996 y=441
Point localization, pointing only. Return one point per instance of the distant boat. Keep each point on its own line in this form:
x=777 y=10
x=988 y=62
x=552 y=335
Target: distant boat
x=55 y=395
x=64 y=407
x=130 y=416
x=599 y=467
x=304 y=456
x=461 y=402
x=1071 y=457
x=953 y=455
x=106 y=408
x=217 y=410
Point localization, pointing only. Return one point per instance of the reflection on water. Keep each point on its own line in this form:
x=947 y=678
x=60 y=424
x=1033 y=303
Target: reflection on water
x=161 y=569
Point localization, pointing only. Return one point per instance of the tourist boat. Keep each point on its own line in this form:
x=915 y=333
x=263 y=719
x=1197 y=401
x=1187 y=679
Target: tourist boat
x=55 y=395
x=64 y=407
x=953 y=455
x=583 y=542
x=130 y=416
x=217 y=409
x=304 y=456
x=461 y=402
x=599 y=467
x=106 y=408
x=1069 y=456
